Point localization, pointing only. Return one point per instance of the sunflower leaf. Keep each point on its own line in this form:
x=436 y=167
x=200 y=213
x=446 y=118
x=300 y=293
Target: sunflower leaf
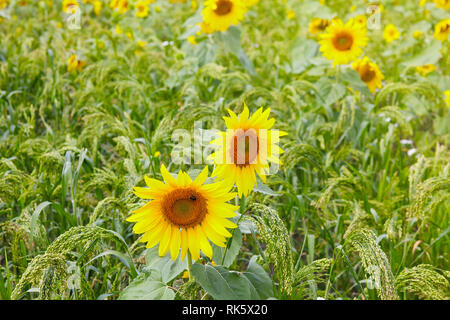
x=145 y=287
x=168 y=268
x=223 y=284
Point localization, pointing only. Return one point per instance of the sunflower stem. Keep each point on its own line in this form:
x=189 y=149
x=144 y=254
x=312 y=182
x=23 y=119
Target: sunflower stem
x=241 y=211
x=189 y=259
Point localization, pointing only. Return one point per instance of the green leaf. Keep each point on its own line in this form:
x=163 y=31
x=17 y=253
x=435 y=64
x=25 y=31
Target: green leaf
x=232 y=251
x=352 y=78
x=168 y=268
x=263 y=188
x=429 y=55
x=35 y=217
x=222 y=284
x=302 y=53
x=231 y=39
x=145 y=287
x=331 y=91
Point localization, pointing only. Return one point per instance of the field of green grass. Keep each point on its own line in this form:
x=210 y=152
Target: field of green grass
x=358 y=209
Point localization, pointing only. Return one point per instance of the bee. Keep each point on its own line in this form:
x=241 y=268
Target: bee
x=193 y=198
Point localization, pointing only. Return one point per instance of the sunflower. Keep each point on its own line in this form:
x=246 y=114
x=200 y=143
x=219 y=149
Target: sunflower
x=447 y=97
x=73 y=64
x=98 y=7
x=70 y=6
x=390 y=33
x=442 y=30
x=318 y=25
x=342 y=43
x=425 y=69
x=247 y=147
x=221 y=14
x=443 y=4
x=184 y=214
x=4 y=3
x=142 y=9
x=361 y=20
x=369 y=73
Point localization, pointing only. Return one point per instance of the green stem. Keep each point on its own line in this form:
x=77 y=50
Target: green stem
x=241 y=211
x=189 y=259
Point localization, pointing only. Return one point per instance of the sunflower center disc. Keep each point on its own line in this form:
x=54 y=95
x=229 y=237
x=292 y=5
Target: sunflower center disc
x=367 y=74
x=184 y=207
x=343 y=41
x=224 y=7
x=245 y=147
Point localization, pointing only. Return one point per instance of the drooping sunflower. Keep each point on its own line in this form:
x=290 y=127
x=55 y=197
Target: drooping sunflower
x=343 y=43
x=369 y=73
x=425 y=69
x=184 y=214
x=246 y=148
x=442 y=30
x=318 y=25
x=391 y=33
x=221 y=14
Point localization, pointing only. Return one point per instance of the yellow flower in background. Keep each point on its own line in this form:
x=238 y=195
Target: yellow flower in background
x=290 y=14
x=426 y=69
x=205 y=28
x=221 y=14
x=118 y=29
x=442 y=30
x=391 y=33
x=417 y=34
x=157 y=154
x=447 y=97
x=191 y=39
x=343 y=43
x=142 y=9
x=194 y=4
x=246 y=148
x=184 y=214
x=59 y=25
x=369 y=73
x=73 y=64
x=141 y=44
x=443 y=4
x=422 y=3
x=361 y=20
x=318 y=25
x=97 y=7
x=70 y=6
x=4 y=3
x=121 y=6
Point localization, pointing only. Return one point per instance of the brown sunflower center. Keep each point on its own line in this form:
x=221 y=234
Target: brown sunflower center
x=367 y=74
x=184 y=208
x=224 y=7
x=343 y=41
x=323 y=24
x=245 y=147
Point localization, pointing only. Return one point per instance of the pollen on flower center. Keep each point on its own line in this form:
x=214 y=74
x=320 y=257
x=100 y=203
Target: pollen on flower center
x=343 y=41
x=245 y=147
x=184 y=208
x=224 y=7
